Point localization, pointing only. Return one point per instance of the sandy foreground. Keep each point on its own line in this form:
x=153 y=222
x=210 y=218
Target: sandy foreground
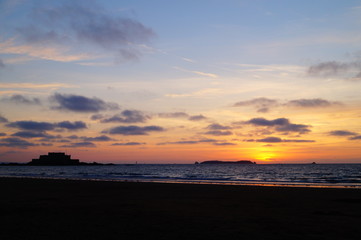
x=70 y=209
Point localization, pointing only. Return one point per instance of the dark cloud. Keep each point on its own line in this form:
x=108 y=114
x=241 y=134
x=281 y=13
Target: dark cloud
x=72 y=126
x=216 y=126
x=2 y=134
x=310 y=103
x=16 y=143
x=355 y=138
x=32 y=125
x=128 y=144
x=224 y=144
x=78 y=103
x=2 y=64
x=96 y=117
x=127 y=116
x=101 y=138
x=46 y=126
x=86 y=24
x=190 y=142
x=197 y=118
x=333 y=68
x=30 y=134
x=20 y=99
x=134 y=130
x=80 y=144
x=265 y=122
x=3 y=119
x=261 y=104
x=278 y=140
x=280 y=124
x=46 y=144
x=173 y=115
x=219 y=133
x=341 y=133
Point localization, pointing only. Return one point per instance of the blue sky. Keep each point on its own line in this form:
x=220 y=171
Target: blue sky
x=165 y=63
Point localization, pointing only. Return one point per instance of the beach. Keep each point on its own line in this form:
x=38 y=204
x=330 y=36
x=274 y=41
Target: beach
x=79 y=209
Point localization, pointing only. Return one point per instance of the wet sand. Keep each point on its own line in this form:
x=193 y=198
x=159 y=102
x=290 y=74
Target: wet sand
x=69 y=209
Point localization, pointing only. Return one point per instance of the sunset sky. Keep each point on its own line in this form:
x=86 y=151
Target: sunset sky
x=272 y=81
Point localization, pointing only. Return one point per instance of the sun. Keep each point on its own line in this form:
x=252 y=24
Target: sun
x=265 y=155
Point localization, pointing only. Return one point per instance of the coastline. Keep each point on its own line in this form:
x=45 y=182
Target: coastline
x=80 y=209
x=224 y=183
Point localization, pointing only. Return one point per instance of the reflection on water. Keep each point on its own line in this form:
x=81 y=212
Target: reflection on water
x=282 y=174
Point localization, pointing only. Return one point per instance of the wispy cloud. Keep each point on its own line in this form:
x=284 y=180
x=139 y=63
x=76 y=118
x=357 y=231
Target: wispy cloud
x=51 y=86
x=200 y=73
x=264 y=105
x=55 y=53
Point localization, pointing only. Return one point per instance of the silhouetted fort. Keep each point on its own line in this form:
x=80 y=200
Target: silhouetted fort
x=55 y=158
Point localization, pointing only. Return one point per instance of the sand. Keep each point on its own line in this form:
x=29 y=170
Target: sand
x=69 y=209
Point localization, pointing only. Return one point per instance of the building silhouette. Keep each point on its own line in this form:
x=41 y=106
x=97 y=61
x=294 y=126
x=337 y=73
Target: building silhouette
x=55 y=158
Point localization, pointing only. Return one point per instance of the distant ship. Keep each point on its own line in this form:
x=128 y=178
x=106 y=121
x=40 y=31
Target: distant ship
x=55 y=158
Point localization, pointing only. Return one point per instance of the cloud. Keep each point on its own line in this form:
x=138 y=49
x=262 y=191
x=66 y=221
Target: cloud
x=2 y=64
x=2 y=134
x=355 y=138
x=79 y=144
x=54 y=53
x=35 y=86
x=16 y=143
x=134 y=130
x=32 y=125
x=19 y=99
x=341 y=133
x=197 y=118
x=262 y=104
x=278 y=140
x=191 y=142
x=30 y=134
x=279 y=124
x=84 y=27
x=3 y=119
x=219 y=133
x=101 y=138
x=78 y=103
x=335 y=69
x=211 y=75
x=46 y=126
x=224 y=144
x=127 y=116
x=216 y=129
x=216 y=126
x=72 y=126
x=173 y=115
x=204 y=74
x=128 y=144
x=310 y=103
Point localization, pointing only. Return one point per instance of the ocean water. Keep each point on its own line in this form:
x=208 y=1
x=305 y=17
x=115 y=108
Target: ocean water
x=319 y=175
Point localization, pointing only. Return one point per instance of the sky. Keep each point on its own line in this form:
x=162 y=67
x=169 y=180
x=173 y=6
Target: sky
x=272 y=81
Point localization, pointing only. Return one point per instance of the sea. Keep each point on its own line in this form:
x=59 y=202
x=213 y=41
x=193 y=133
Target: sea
x=288 y=175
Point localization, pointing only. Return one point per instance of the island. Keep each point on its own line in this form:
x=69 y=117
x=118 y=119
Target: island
x=228 y=162
x=59 y=159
